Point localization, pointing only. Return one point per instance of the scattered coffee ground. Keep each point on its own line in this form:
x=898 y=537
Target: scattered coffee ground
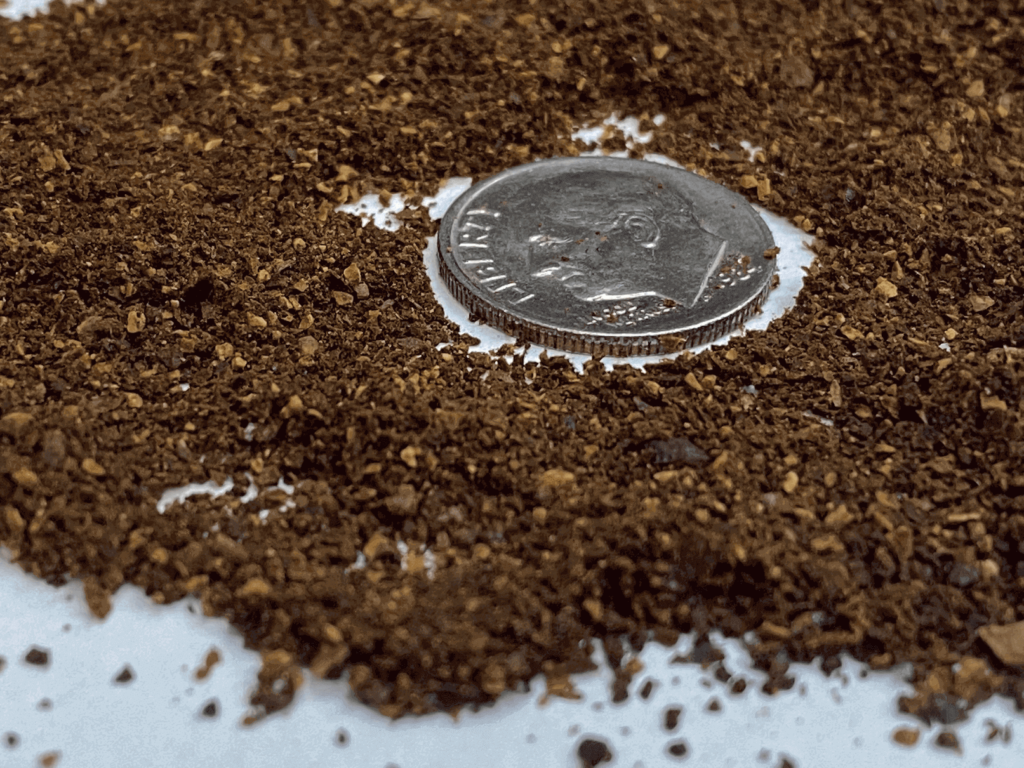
x=592 y=753
x=647 y=689
x=178 y=302
x=3 y=663
x=948 y=740
x=211 y=660
x=342 y=737
x=210 y=708
x=785 y=762
x=672 y=715
x=677 y=749
x=44 y=705
x=714 y=706
x=906 y=736
x=738 y=687
x=11 y=740
x=49 y=759
x=994 y=732
x=126 y=675
x=37 y=657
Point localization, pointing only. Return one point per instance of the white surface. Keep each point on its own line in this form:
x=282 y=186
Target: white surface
x=843 y=721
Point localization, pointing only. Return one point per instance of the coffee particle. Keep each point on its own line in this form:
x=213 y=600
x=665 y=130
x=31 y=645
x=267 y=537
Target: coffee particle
x=211 y=660
x=37 y=657
x=948 y=740
x=677 y=749
x=592 y=753
x=672 y=715
x=906 y=736
x=126 y=675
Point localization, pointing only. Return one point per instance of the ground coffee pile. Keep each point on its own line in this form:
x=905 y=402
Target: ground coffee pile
x=178 y=302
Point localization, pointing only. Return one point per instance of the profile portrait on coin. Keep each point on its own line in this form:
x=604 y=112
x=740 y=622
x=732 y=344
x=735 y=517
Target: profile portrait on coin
x=614 y=239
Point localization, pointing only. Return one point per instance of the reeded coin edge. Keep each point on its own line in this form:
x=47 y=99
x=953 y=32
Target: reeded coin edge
x=594 y=344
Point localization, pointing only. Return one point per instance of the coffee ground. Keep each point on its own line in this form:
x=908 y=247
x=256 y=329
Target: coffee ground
x=179 y=302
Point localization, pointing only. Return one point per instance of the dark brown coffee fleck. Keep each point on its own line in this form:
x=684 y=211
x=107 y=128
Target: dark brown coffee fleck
x=672 y=716
x=37 y=657
x=678 y=749
x=592 y=753
x=126 y=675
x=210 y=709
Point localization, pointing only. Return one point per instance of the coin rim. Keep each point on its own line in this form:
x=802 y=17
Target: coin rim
x=570 y=340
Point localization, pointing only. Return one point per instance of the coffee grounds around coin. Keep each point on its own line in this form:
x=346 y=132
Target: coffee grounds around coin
x=179 y=303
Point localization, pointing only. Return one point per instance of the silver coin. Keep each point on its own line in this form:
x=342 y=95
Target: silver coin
x=606 y=256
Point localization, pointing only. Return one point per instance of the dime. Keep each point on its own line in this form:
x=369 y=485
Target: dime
x=606 y=256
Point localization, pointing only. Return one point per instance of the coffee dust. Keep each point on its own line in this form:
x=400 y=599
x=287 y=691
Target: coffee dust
x=179 y=302
x=210 y=709
x=592 y=753
x=125 y=676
